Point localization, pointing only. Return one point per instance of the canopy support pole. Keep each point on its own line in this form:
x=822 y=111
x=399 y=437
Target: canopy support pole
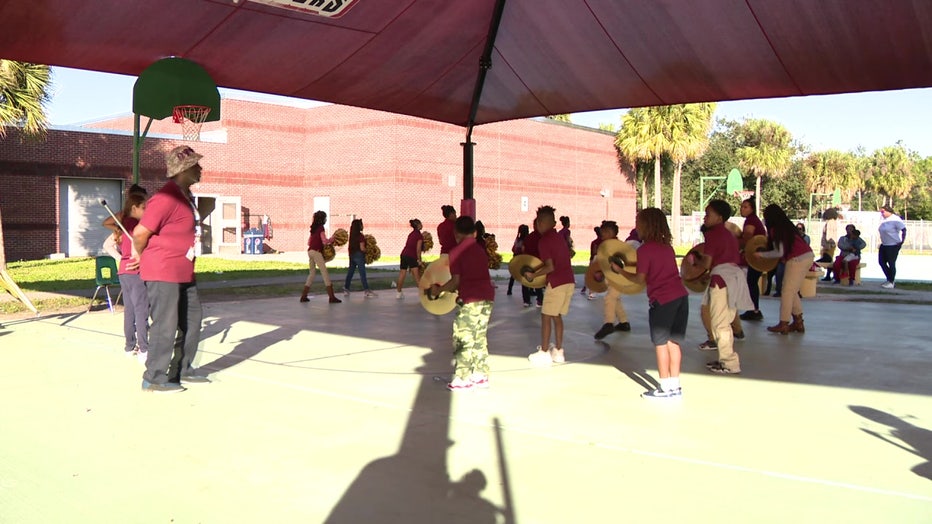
x=468 y=205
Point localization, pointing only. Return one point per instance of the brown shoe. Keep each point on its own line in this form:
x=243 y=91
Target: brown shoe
x=797 y=324
x=783 y=328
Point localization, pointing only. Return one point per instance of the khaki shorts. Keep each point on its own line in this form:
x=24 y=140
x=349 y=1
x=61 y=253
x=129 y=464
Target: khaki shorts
x=557 y=300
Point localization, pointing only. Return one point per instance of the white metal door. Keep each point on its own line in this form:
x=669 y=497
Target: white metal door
x=226 y=225
x=81 y=213
x=323 y=204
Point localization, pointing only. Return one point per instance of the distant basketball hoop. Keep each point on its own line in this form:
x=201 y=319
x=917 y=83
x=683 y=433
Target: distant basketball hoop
x=191 y=117
x=744 y=195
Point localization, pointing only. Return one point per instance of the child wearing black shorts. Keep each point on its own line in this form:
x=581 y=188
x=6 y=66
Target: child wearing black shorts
x=668 y=299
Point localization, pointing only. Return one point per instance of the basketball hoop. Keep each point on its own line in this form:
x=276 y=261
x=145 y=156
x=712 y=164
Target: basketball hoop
x=744 y=195
x=191 y=117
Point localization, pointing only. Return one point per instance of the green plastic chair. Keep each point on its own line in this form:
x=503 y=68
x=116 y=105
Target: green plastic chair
x=105 y=276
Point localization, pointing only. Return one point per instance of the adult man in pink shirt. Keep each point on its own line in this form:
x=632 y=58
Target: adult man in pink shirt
x=164 y=243
x=561 y=282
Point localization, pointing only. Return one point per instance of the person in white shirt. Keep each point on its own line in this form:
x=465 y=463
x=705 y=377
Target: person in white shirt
x=892 y=235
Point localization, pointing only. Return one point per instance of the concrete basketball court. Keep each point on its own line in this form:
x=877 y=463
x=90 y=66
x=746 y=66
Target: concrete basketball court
x=322 y=413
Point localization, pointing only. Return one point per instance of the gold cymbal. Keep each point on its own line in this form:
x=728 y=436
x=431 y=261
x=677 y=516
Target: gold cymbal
x=734 y=228
x=753 y=245
x=438 y=272
x=521 y=263
x=595 y=279
x=693 y=272
x=623 y=254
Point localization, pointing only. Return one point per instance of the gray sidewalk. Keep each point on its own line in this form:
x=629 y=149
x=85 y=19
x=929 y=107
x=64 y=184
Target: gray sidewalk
x=323 y=413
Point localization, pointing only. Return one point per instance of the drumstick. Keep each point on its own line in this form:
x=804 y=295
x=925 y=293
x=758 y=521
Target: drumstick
x=115 y=219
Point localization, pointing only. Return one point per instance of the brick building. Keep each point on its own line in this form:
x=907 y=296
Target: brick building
x=286 y=162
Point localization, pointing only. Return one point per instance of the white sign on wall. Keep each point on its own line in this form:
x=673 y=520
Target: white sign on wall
x=452 y=181
x=524 y=204
x=328 y=8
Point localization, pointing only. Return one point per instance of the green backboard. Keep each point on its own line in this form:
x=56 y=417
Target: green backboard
x=734 y=182
x=172 y=82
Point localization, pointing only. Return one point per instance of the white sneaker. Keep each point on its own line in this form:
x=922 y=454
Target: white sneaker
x=540 y=357
x=399 y=295
x=345 y=292
x=479 y=380
x=887 y=285
x=460 y=384
x=370 y=294
x=556 y=355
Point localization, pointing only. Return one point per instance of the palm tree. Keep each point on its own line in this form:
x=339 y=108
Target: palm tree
x=764 y=148
x=689 y=127
x=24 y=91
x=892 y=174
x=643 y=137
x=826 y=171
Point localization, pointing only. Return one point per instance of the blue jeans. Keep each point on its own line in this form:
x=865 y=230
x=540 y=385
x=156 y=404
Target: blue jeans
x=357 y=259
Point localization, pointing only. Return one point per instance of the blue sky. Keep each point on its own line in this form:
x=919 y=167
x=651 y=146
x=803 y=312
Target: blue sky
x=872 y=120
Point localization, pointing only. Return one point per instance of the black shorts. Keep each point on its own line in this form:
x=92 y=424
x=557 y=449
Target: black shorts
x=668 y=321
x=408 y=262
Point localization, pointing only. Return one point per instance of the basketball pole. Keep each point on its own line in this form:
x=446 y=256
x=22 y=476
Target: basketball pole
x=137 y=144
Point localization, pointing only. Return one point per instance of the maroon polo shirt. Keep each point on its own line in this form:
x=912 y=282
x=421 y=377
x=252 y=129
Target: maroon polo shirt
x=472 y=265
x=799 y=247
x=532 y=244
x=721 y=245
x=553 y=246
x=410 y=249
x=170 y=217
x=758 y=228
x=657 y=262
x=446 y=236
x=314 y=242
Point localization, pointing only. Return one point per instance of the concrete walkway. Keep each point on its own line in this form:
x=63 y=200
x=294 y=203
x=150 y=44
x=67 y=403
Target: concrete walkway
x=322 y=413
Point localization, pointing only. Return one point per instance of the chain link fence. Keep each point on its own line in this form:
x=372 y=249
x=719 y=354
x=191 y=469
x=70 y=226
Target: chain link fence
x=918 y=232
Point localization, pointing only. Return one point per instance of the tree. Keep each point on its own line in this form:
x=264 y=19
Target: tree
x=643 y=136
x=826 y=171
x=561 y=118
x=891 y=170
x=764 y=149
x=24 y=92
x=688 y=130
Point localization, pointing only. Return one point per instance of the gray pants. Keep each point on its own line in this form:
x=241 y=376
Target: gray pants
x=135 y=312
x=175 y=330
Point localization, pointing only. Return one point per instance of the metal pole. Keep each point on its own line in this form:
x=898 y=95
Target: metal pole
x=485 y=63
x=136 y=145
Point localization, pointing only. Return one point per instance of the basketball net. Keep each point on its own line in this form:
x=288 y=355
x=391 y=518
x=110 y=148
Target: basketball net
x=191 y=117
x=744 y=195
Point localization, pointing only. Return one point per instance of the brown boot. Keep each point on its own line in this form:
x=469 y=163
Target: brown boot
x=333 y=298
x=304 y=293
x=783 y=328
x=797 y=324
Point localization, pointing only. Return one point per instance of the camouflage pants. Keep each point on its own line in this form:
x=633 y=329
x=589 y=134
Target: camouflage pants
x=470 y=345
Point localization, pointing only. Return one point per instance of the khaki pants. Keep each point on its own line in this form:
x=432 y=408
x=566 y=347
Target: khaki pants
x=315 y=259
x=736 y=326
x=793 y=276
x=721 y=317
x=614 y=307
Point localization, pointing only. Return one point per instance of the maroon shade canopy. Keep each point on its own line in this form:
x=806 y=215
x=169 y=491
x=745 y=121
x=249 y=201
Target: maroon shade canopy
x=421 y=57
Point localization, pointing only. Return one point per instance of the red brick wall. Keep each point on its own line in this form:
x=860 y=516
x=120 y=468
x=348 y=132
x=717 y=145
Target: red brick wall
x=382 y=167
